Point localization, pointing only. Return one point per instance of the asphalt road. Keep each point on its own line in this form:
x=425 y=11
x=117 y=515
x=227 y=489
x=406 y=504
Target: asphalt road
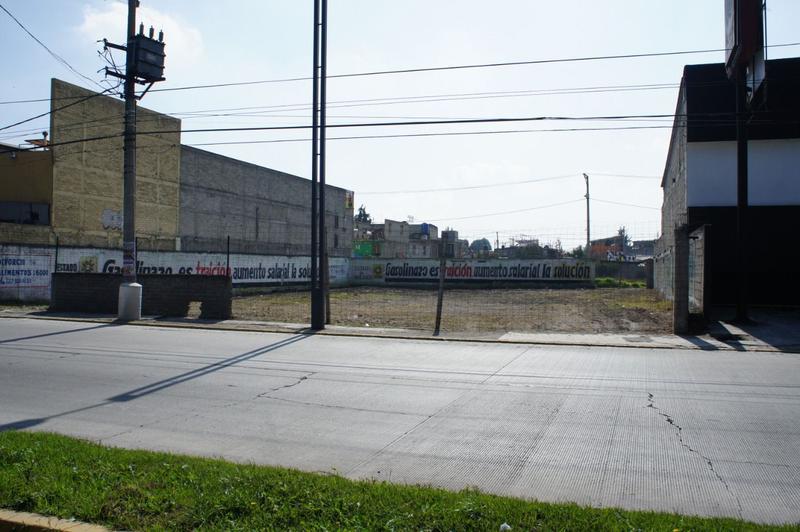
x=698 y=432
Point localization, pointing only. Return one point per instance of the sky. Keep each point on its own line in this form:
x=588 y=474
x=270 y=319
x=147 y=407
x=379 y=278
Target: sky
x=248 y=40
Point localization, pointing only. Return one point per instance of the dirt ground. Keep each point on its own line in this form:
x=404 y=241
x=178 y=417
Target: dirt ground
x=476 y=310
x=473 y=311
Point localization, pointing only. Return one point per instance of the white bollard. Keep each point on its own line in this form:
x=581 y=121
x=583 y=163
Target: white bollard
x=130 y=302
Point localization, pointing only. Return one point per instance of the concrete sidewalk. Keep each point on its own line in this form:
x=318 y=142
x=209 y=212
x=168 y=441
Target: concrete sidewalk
x=769 y=332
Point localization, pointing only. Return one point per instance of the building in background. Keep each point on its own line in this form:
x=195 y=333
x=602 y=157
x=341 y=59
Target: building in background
x=186 y=199
x=454 y=247
x=700 y=186
x=393 y=239
x=26 y=188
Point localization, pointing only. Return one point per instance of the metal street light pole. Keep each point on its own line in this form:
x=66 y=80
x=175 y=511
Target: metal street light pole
x=317 y=201
x=323 y=96
x=741 y=195
x=588 y=238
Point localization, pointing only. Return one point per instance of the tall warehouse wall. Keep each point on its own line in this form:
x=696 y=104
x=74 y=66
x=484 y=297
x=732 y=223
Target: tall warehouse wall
x=262 y=210
x=87 y=172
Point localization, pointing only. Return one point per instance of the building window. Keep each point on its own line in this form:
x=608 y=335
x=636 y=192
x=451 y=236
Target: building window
x=336 y=222
x=336 y=240
x=17 y=212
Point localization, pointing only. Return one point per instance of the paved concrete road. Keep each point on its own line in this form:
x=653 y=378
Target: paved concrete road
x=699 y=432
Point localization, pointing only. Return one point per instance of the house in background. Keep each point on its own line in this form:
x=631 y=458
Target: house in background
x=700 y=186
x=396 y=240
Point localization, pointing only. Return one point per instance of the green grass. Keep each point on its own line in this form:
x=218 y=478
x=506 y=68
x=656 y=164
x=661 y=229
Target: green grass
x=613 y=282
x=135 y=490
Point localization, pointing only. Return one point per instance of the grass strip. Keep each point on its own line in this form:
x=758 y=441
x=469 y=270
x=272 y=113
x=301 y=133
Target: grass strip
x=613 y=282
x=141 y=490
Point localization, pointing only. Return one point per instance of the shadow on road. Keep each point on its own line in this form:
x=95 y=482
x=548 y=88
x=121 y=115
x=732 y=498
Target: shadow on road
x=190 y=375
x=101 y=326
x=156 y=386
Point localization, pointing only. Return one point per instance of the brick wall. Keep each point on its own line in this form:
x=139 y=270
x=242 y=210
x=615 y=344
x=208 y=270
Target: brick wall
x=162 y=295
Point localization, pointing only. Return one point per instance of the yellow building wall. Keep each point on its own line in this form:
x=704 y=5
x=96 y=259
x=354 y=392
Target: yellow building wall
x=26 y=176
x=88 y=171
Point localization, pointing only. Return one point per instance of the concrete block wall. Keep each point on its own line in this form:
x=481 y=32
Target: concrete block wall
x=673 y=209
x=263 y=211
x=87 y=174
x=162 y=295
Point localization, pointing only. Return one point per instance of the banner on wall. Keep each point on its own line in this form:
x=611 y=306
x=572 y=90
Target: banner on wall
x=25 y=271
x=25 y=276
x=375 y=271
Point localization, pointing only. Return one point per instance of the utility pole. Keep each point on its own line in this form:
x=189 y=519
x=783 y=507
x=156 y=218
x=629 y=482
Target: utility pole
x=130 y=292
x=744 y=44
x=588 y=236
x=741 y=195
x=319 y=263
x=323 y=97
x=144 y=63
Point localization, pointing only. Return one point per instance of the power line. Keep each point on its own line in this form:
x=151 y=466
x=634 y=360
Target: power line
x=627 y=176
x=454 y=97
x=505 y=212
x=93 y=95
x=461 y=67
x=626 y=204
x=469 y=187
x=360 y=137
x=533 y=92
x=266 y=110
x=406 y=123
x=437 y=122
x=407 y=99
x=370 y=102
x=443 y=134
x=54 y=55
x=501 y=184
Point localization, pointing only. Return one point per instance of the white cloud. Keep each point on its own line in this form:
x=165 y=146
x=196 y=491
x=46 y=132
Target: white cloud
x=184 y=43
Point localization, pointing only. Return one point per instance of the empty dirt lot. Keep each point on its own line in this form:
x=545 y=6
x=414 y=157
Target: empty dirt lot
x=474 y=310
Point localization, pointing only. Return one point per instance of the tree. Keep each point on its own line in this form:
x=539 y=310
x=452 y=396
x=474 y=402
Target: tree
x=625 y=240
x=362 y=216
x=579 y=252
x=480 y=245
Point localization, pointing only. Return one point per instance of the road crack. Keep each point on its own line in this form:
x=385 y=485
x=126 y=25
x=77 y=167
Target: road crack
x=195 y=413
x=285 y=386
x=679 y=434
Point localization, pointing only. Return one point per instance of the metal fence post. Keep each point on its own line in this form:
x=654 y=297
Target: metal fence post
x=440 y=297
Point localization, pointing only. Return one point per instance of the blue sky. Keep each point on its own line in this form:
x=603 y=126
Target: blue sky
x=211 y=42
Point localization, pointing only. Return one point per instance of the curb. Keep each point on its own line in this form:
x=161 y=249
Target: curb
x=374 y=334
x=29 y=522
